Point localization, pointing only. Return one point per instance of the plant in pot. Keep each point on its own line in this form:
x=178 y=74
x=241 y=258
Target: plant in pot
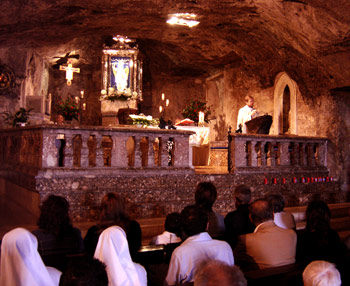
x=19 y=118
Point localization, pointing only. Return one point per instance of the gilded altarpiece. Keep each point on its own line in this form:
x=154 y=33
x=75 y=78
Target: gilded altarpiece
x=121 y=81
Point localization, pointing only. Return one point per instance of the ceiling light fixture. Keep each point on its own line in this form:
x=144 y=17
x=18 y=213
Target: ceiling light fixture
x=183 y=19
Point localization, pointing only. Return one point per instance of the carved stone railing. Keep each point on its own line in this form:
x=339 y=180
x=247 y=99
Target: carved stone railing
x=249 y=152
x=52 y=146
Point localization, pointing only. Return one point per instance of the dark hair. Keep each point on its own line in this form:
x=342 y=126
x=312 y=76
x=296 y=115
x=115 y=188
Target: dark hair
x=194 y=220
x=260 y=211
x=318 y=216
x=205 y=195
x=84 y=271
x=112 y=208
x=243 y=194
x=277 y=202
x=215 y=272
x=54 y=216
x=173 y=223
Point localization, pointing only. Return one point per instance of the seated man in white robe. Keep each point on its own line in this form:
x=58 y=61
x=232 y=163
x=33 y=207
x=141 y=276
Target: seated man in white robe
x=199 y=246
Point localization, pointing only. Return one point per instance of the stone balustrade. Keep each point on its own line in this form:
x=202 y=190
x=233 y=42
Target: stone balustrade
x=53 y=146
x=264 y=153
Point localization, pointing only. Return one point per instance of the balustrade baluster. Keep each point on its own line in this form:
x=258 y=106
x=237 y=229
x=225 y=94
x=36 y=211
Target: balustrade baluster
x=68 y=150
x=284 y=154
x=99 y=151
x=84 y=152
x=150 y=151
x=254 y=155
x=138 y=152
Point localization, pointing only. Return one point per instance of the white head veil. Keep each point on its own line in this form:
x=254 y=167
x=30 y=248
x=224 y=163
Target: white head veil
x=113 y=250
x=21 y=263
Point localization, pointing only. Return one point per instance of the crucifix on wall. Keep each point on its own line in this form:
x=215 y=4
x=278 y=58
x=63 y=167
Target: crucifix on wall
x=69 y=71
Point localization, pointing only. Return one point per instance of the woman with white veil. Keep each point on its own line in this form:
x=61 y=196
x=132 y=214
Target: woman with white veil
x=21 y=264
x=113 y=250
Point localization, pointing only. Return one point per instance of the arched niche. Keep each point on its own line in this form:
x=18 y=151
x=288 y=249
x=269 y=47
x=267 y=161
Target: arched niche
x=283 y=85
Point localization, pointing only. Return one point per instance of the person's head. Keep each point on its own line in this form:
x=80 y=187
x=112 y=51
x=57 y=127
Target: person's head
x=112 y=208
x=242 y=195
x=60 y=119
x=21 y=263
x=173 y=223
x=277 y=201
x=194 y=220
x=205 y=195
x=214 y=272
x=84 y=271
x=249 y=100
x=54 y=215
x=260 y=211
x=318 y=216
x=321 y=273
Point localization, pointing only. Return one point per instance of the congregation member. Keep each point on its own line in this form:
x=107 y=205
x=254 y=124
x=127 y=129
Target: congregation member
x=281 y=218
x=173 y=230
x=21 y=264
x=112 y=212
x=321 y=273
x=318 y=241
x=213 y=273
x=197 y=247
x=84 y=271
x=56 y=236
x=205 y=196
x=113 y=250
x=269 y=245
x=238 y=222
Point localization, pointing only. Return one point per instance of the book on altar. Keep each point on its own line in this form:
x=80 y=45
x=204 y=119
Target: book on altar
x=185 y=122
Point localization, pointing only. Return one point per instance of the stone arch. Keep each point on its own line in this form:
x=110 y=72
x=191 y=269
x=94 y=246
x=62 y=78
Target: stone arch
x=281 y=82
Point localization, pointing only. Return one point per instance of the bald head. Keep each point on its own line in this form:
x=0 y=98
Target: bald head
x=260 y=211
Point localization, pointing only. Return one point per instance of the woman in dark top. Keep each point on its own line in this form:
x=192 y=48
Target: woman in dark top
x=112 y=212
x=318 y=241
x=56 y=236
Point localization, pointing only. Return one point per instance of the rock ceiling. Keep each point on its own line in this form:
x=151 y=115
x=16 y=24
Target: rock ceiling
x=263 y=36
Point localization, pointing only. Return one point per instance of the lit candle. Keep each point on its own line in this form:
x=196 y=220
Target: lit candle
x=84 y=106
x=201 y=117
x=77 y=99
x=160 y=109
x=82 y=94
x=167 y=102
x=163 y=96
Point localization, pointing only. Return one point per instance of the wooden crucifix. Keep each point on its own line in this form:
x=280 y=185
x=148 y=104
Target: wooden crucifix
x=69 y=71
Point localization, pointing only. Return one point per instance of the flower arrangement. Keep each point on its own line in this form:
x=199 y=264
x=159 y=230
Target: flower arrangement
x=192 y=110
x=114 y=94
x=144 y=120
x=68 y=108
x=20 y=116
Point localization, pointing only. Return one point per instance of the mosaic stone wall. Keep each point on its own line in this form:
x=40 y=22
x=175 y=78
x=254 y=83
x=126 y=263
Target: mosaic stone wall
x=157 y=195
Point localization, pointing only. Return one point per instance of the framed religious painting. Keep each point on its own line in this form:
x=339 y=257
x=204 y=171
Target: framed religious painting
x=121 y=71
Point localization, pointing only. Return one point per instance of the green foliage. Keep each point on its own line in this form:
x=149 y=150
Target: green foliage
x=20 y=116
x=192 y=110
x=68 y=109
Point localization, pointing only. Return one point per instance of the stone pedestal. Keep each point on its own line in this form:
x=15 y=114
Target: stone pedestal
x=109 y=110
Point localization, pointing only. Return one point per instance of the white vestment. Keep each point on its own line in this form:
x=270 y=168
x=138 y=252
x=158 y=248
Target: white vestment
x=244 y=115
x=113 y=250
x=21 y=264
